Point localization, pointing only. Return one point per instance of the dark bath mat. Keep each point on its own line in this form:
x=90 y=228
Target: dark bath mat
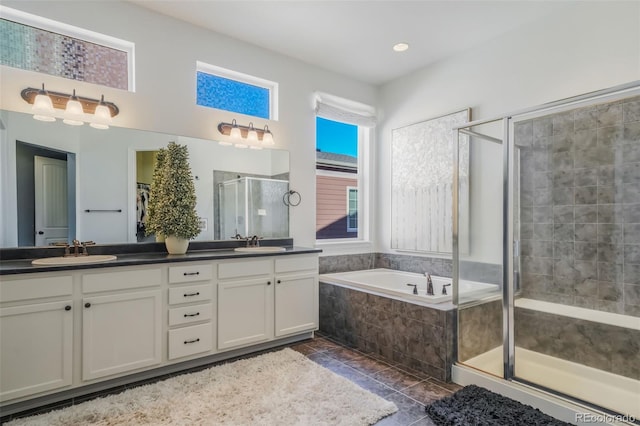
x=473 y=405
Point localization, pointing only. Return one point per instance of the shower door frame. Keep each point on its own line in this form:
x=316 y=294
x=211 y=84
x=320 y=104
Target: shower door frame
x=510 y=245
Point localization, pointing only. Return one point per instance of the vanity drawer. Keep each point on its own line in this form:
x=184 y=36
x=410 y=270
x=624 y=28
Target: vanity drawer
x=190 y=340
x=121 y=280
x=246 y=268
x=189 y=314
x=190 y=273
x=190 y=293
x=296 y=263
x=35 y=288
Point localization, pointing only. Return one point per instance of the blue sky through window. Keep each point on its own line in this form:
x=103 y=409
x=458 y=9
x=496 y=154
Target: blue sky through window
x=231 y=95
x=338 y=138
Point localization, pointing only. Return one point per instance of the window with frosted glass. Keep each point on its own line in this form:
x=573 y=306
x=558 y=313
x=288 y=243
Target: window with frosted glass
x=34 y=49
x=232 y=95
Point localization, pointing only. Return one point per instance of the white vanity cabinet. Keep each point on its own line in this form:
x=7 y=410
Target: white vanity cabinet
x=245 y=302
x=36 y=334
x=65 y=330
x=121 y=321
x=191 y=313
x=259 y=300
x=296 y=294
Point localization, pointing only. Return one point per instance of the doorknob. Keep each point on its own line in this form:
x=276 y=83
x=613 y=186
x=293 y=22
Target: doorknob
x=40 y=233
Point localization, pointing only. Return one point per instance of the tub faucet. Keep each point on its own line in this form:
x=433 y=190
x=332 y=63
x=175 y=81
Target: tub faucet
x=444 y=289
x=415 y=288
x=429 y=285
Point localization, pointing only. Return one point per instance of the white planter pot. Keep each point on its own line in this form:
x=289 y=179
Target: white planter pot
x=176 y=245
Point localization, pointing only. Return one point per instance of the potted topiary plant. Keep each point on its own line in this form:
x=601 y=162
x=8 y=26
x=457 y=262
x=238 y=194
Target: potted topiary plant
x=172 y=199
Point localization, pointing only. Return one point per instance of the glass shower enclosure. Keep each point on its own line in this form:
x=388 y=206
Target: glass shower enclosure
x=562 y=246
x=253 y=206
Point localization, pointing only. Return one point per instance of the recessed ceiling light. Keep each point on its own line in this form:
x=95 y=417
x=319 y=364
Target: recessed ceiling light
x=400 y=47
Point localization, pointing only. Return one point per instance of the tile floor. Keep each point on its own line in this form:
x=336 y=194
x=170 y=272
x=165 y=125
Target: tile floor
x=409 y=390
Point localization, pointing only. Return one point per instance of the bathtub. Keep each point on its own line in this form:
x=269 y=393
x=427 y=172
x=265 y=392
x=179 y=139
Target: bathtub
x=396 y=283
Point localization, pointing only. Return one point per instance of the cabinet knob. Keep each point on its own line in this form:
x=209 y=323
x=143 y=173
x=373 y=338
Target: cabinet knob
x=268 y=282
x=67 y=308
x=87 y=305
x=278 y=281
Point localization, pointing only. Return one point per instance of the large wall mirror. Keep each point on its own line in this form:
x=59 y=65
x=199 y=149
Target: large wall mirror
x=68 y=181
x=422 y=183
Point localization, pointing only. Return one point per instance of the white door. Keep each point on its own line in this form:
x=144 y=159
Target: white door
x=51 y=205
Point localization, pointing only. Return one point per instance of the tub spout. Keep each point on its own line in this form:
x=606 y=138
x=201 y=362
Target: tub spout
x=429 y=285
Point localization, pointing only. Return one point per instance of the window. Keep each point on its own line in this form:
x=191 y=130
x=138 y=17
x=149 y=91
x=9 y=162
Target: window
x=343 y=140
x=235 y=92
x=352 y=209
x=33 y=43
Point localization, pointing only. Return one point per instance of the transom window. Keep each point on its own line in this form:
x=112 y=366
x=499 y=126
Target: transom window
x=33 y=43
x=236 y=92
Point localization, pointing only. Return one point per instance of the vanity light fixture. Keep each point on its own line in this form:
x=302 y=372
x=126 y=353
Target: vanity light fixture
x=246 y=136
x=77 y=109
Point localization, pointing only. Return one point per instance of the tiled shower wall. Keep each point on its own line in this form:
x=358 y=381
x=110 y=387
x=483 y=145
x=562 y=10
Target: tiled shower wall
x=580 y=207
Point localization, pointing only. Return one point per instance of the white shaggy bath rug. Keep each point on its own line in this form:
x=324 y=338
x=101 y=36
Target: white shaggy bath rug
x=277 y=388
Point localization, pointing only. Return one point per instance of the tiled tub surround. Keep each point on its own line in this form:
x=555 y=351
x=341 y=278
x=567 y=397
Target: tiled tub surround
x=473 y=271
x=580 y=207
x=411 y=335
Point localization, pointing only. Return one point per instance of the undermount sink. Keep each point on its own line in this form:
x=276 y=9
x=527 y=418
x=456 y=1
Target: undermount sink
x=265 y=249
x=73 y=260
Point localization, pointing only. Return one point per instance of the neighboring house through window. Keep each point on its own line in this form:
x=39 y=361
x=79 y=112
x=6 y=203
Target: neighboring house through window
x=232 y=91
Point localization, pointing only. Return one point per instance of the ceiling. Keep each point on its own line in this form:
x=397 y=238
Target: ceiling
x=355 y=38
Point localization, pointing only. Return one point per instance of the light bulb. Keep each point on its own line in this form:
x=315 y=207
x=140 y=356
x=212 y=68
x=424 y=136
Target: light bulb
x=73 y=114
x=101 y=116
x=235 y=130
x=267 y=137
x=43 y=106
x=252 y=135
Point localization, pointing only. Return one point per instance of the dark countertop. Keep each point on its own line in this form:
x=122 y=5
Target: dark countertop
x=24 y=266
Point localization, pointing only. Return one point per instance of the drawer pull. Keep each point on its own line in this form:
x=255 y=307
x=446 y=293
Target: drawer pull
x=186 y=342
x=186 y=274
x=192 y=315
x=197 y=293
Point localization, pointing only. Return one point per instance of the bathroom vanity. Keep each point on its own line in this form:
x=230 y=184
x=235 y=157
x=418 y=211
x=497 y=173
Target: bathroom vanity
x=72 y=330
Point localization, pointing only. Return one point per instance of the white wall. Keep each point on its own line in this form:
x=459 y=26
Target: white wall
x=164 y=101
x=588 y=46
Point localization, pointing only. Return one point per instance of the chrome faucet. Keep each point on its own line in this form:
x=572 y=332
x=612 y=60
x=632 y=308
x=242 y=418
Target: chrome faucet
x=444 y=289
x=415 y=288
x=254 y=241
x=429 y=284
